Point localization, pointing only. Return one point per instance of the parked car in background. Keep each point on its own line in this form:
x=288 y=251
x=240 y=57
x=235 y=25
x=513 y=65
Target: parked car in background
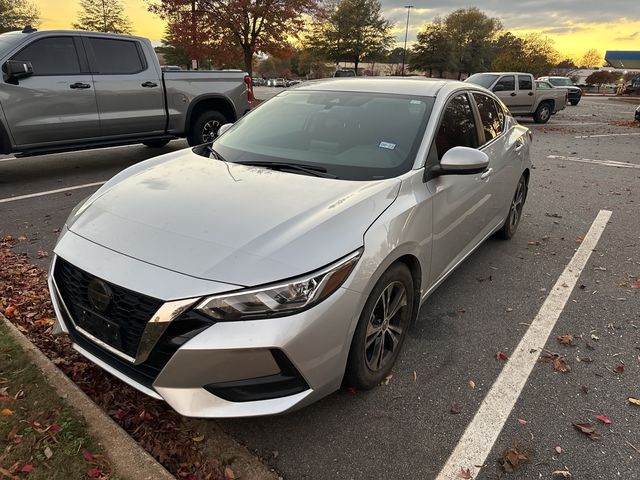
x=170 y=68
x=257 y=81
x=69 y=90
x=253 y=275
x=279 y=82
x=291 y=83
x=638 y=113
x=518 y=91
x=574 y=93
x=345 y=73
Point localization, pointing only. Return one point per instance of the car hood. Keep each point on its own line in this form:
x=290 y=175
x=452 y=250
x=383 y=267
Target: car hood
x=232 y=223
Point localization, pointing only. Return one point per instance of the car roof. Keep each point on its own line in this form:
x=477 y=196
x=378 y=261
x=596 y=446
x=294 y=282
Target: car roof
x=428 y=87
x=503 y=73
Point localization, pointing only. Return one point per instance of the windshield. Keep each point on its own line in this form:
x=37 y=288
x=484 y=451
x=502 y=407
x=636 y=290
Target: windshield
x=354 y=136
x=483 y=79
x=561 y=82
x=9 y=40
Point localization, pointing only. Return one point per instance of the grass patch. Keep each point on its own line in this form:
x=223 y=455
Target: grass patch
x=40 y=436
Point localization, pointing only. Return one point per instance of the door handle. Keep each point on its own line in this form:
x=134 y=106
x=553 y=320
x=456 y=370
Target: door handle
x=530 y=94
x=513 y=94
x=79 y=85
x=486 y=174
x=149 y=84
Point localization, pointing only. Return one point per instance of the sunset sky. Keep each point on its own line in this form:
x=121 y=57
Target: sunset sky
x=574 y=25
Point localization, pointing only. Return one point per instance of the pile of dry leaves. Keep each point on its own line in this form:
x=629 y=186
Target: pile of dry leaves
x=24 y=300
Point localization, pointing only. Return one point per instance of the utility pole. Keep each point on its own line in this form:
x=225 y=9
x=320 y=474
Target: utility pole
x=104 y=16
x=406 y=31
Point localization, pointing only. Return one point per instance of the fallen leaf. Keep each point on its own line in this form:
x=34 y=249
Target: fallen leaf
x=10 y=311
x=387 y=379
x=512 y=457
x=533 y=242
x=88 y=456
x=558 y=450
x=47 y=452
x=560 y=364
x=228 y=474
x=522 y=421
x=633 y=401
x=588 y=430
x=5 y=412
x=585 y=389
x=465 y=473
x=472 y=384
x=415 y=376
x=26 y=468
x=55 y=428
x=595 y=337
x=501 y=356
x=635 y=284
x=619 y=369
x=603 y=419
x=8 y=474
x=198 y=438
x=561 y=473
x=42 y=254
x=94 y=472
x=565 y=339
x=455 y=409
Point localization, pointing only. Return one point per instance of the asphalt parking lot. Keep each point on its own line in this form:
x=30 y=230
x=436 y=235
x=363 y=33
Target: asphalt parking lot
x=586 y=161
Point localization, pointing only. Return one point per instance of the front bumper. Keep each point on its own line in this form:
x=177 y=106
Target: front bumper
x=223 y=369
x=638 y=114
x=575 y=94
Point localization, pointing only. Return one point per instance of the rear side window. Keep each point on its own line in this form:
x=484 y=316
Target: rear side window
x=458 y=127
x=524 y=82
x=507 y=82
x=116 y=56
x=51 y=56
x=492 y=121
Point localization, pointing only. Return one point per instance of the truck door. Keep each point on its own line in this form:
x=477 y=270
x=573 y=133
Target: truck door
x=57 y=103
x=525 y=97
x=505 y=89
x=129 y=91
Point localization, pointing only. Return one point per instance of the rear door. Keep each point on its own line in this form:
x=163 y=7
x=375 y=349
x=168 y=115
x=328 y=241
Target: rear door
x=462 y=204
x=525 y=96
x=128 y=90
x=57 y=104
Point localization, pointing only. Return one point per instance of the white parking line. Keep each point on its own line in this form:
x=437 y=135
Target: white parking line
x=478 y=439
x=607 y=135
x=608 y=163
x=50 y=192
x=575 y=124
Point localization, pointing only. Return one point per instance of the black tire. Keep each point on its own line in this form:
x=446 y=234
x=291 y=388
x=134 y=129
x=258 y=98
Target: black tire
x=574 y=102
x=205 y=127
x=369 y=364
x=543 y=113
x=156 y=143
x=510 y=226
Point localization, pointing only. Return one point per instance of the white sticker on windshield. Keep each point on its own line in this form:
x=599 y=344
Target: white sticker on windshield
x=387 y=145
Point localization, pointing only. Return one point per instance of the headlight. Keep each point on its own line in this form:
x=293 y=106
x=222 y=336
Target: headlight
x=283 y=299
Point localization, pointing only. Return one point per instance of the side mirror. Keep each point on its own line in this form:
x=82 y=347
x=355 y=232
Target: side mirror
x=498 y=88
x=463 y=160
x=224 y=128
x=17 y=69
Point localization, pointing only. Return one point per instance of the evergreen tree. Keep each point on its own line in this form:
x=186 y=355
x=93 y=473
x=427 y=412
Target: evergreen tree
x=102 y=16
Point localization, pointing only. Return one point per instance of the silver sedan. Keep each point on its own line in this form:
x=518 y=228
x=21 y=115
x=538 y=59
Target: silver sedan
x=259 y=273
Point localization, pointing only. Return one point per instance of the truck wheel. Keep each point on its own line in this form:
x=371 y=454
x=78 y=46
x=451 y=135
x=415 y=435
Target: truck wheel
x=574 y=102
x=204 y=128
x=543 y=113
x=156 y=143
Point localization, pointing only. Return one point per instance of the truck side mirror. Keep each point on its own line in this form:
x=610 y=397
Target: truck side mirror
x=16 y=69
x=498 y=88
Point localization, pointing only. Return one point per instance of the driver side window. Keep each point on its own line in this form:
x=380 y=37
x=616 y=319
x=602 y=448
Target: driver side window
x=458 y=126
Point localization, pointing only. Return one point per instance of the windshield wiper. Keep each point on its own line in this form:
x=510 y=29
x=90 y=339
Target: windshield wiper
x=316 y=171
x=213 y=153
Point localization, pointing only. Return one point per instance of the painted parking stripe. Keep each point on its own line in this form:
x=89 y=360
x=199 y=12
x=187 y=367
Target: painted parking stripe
x=608 y=135
x=50 y=192
x=477 y=441
x=576 y=124
x=608 y=163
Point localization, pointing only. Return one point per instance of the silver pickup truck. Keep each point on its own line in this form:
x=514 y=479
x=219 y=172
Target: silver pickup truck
x=69 y=90
x=518 y=92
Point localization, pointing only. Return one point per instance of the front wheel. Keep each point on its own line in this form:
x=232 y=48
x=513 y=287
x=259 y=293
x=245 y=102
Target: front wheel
x=543 y=113
x=204 y=128
x=512 y=221
x=574 y=102
x=382 y=329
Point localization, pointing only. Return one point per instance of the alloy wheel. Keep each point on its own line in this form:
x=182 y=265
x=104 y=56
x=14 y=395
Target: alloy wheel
x=385 y=327
x=210 y=130
x=516 y=206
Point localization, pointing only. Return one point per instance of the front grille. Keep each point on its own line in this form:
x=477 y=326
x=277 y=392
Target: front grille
x=130 y=311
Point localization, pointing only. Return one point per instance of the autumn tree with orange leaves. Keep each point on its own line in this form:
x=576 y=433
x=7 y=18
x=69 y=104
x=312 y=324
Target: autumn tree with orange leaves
x=227 y=29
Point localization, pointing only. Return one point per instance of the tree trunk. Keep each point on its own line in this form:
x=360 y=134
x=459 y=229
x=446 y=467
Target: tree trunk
x=430 y=72
x=248 y=59
x=355 y=64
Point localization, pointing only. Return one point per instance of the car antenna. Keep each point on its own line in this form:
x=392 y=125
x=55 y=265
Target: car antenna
x=29 y=29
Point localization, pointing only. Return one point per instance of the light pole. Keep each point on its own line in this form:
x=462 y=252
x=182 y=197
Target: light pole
x=406 y=32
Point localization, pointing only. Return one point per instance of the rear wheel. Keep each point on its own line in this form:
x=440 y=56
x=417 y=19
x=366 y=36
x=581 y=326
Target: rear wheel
x=204 y=128
x=381 y=329
x=156 y=143
x=512 y=221
x=543 y=113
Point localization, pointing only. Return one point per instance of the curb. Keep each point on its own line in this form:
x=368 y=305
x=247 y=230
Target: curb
x=128 y=459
